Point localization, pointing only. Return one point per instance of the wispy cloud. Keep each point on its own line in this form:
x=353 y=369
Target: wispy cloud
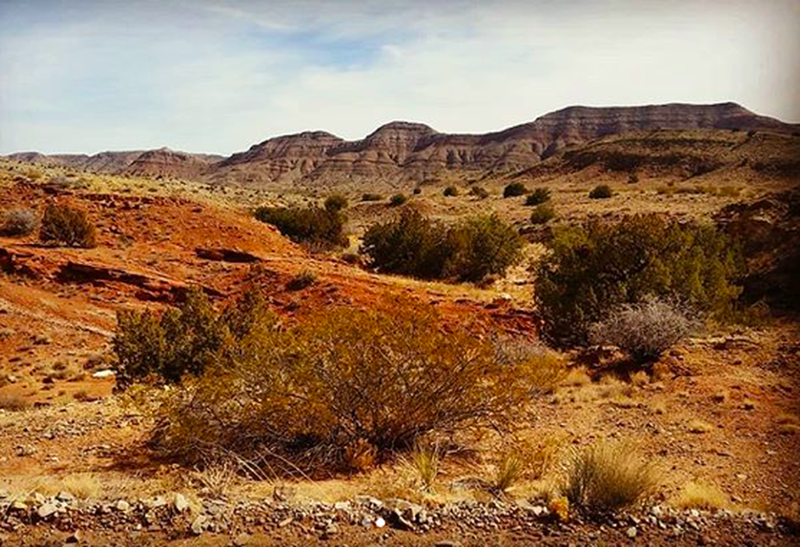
x=214 y=75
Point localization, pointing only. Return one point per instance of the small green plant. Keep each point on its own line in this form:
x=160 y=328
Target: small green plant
x=18 y=223
x=450 y=191
x=542 y=214
x=426 y=461
x=601 y=191
x=538 y=196
x=397 y=200
x=508 y=473
x=65 y=225
x=371 y=197
x=605 y=477
x=514 y=189
x=336 y=202
x=302 y=280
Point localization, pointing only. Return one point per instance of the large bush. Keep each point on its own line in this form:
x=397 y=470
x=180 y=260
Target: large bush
x=18 y=222
x=65 y=225
x=645 y=329
x=601 y=191
x=182 y=341
x=599 y=266
x=343 y=383
x=414 y=245
x=317 y=226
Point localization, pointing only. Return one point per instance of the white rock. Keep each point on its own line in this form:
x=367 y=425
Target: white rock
x=46 y=510
x=379 y=522
x=197 y=525
x=122 y=505
x=631 y=532
x=181 y=503
x=107 y=373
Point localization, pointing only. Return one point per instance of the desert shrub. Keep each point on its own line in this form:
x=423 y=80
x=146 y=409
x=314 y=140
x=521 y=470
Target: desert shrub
x=417 y=190
x=18 y=222
x=343 y=382
x=450 y=191
x=65 y=225
x=413 y=245
x=13 y=402
x=182 y=341
x=302 y=280
x=606 y=477
x=336 y=202
x=543 y=214
x=397 y=200
x=633 y=178
x=371 y=197
x=601 y=265
x=313 y=225
x=425 y=461
x=508 y=473
x=538 y=196
x=601 y=191
x=645 y=329
x=514 y=189
x=479 y=192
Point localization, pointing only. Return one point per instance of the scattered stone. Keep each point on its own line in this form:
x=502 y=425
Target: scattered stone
x=241 y=540
x=447 y=543
x=284 y=493
x=181 y=503
x=285 y=522
x=46 y=510
x=380 y=523
x=66 y=497
x=631 y=532
x=73 y=539
x=198 y=525
x=123 y=506
x=107 y=373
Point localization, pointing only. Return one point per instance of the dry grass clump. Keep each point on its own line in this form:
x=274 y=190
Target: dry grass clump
x=700 y=426
x=425 y=461
x=65 y=225
x=18 y=222
x=285 y=399
x=789 y=424
x=606 y=477
x=695 y=495
x=13 y=402
x=508 y=473
x=302 y=280
x=644 y=329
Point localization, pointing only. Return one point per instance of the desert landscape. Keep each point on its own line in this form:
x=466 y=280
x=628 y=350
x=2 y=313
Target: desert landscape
x=576 y=328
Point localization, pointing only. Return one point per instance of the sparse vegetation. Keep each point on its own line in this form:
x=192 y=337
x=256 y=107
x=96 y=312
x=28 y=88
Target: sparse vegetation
x=601 y=191
x=65 y=225
x=514 y=189
x=606 y=477
x=479 y=192
x=695 y=495
x=602 y=265
x=18 y=223
x=13 y=402
x=323 y=227
x=644 y=329
x=302 y=280
x=371 y=197
x=413 y=245
x=336 y=202
x=542 y=214
x=450 y=191
x=308 y=393
x=425 y=460
x=508 y=473
x=538 y=196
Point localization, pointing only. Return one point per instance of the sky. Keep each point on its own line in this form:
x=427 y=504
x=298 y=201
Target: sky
x=83 y=76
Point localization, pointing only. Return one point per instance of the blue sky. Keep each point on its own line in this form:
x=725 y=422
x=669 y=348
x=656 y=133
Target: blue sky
x=220 y=75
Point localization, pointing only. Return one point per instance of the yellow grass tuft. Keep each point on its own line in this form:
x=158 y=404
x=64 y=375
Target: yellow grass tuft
x=700 y=426
x=695 y=495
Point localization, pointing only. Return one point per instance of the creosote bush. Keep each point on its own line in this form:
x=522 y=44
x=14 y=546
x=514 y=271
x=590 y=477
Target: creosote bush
x=601 y=191
x=322 y=227
x=599 y=266
x=414 y=245
x=343 y=384
x=397 y=200
x=18 y=222
x=645 y=329
x=65 y=225
x=514 y=189
x=538 y=196
x=605 y=477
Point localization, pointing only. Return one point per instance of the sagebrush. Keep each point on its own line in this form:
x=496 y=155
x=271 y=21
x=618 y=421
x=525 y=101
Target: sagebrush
x=68 y=226
x=320 y=227
x=18 y=222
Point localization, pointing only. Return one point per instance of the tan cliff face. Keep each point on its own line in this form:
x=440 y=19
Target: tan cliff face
x=402 y=153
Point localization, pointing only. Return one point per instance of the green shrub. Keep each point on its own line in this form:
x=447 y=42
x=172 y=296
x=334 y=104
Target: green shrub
x=182 y=341
x=343 y=382
x=65 y=225
x=450 y=191
x=336 y=202
x=18 y=222
x=605 y=477
x=313 y=225
x=371 y=197
x=538 y=196
x=601 y=191
x=397 y=200
x=542 y=214
x=413 y=245
x=602 y=265
x=514 y=189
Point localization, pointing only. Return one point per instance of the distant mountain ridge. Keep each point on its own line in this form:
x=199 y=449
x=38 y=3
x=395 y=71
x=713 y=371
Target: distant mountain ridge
x=402 y=152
